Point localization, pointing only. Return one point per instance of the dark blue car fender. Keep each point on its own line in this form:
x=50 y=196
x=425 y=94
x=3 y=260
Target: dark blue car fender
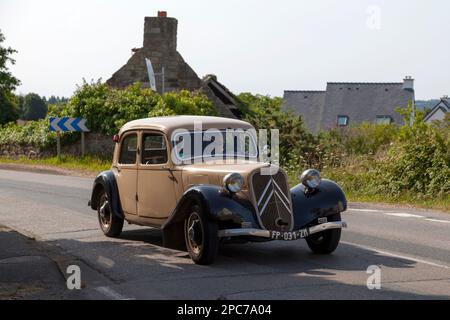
x=107 y=181
x=228 y=210
x=328 y=200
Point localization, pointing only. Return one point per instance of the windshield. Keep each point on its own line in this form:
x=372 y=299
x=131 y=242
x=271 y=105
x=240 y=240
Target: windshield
x=217 y=145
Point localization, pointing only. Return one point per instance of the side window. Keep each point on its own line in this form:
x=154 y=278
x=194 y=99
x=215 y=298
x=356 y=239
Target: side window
x=128 y=149
x=384 y=120
x=154 y=149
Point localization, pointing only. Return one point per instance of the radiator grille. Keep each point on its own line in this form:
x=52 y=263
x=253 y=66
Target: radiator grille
x=272 y=200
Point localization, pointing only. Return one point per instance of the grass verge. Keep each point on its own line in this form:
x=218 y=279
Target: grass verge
x=442 y=204
x=86 y=164
x=356 y=189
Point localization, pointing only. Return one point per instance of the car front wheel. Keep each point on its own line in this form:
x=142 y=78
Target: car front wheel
x=325 y=242
x=110 y=224
x=201 y=237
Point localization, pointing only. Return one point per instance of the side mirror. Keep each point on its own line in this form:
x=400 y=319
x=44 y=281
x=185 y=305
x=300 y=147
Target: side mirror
x=116 y=138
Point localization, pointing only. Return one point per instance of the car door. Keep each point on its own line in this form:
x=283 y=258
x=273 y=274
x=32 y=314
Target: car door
x=156 y=183
x=127 y=172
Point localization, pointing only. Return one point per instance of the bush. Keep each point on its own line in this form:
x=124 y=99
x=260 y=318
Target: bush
x=34 y=133
x=107 y=109
x=362 y=139
x=418 y=162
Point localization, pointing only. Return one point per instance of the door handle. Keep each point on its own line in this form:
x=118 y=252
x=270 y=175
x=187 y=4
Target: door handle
x=172 y=176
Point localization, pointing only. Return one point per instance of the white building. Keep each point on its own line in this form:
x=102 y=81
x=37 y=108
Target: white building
x=439 y=111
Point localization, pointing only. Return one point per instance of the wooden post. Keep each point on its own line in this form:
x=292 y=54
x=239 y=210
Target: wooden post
x=82 y=144
x=58 y=144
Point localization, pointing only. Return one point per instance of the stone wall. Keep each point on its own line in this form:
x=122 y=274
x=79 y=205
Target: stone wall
x=95 y=144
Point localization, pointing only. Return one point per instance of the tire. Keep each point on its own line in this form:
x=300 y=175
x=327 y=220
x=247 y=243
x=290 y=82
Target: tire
x=200 y=234
x=110 y=224
x=325 y=242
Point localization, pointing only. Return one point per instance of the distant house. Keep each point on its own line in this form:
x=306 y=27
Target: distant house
x=439 y=111
x=346 y=103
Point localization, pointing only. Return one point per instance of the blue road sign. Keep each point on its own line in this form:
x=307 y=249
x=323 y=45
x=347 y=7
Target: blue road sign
x=68 y=124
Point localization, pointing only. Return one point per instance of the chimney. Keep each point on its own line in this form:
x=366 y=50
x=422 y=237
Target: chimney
x=160 y=32
x=408 y=83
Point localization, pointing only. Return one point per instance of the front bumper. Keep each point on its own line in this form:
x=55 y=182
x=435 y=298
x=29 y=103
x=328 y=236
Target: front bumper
x=277 y=235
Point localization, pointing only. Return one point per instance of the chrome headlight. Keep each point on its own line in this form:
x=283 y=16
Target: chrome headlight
x=311 y=179
x=233 y=182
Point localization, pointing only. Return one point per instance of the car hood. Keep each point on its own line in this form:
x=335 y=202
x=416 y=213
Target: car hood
x=212 y=173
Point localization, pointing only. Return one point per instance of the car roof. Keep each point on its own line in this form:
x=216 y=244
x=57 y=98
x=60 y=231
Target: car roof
x=169 y=124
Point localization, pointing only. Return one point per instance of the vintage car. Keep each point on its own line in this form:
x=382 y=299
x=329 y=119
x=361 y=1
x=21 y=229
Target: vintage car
x=200 y=200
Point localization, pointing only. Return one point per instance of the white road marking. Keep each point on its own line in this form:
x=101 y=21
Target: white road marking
x=437 y=220
x=396 y=255
x=110 y=293
x=402 y=215
x=365 y=210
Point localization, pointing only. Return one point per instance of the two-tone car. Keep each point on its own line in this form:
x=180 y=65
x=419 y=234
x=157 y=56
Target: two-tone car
x=202 y=186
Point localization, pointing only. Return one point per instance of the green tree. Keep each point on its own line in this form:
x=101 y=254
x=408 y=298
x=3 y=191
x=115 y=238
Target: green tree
x=34 y=107
x=264 y=112
x=8 y=83
x=8 y=107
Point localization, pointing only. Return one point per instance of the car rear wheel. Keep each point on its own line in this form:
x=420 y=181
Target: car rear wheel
x=201 y=237
x=325 y=242
x=110 y=224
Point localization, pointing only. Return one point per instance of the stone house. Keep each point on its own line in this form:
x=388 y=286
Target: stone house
x=160 y=47
x=346 y=103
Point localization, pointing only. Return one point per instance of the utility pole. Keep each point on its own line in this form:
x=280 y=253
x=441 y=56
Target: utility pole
x=413 y=113
x=163 y=76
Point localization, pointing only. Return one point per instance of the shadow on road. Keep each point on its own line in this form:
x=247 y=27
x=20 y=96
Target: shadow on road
x=144 y=269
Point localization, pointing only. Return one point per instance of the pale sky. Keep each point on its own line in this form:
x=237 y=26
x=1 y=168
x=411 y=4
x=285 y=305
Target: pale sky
x=257 y=46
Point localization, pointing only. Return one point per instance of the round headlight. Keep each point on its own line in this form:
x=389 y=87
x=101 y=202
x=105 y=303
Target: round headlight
x=233 y=182
x=310 y=178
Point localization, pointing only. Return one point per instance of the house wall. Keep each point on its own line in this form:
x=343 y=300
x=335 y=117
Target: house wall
x=437 y=115
x=160 y=46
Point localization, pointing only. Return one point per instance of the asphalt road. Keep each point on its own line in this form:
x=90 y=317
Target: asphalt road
x=412 y=247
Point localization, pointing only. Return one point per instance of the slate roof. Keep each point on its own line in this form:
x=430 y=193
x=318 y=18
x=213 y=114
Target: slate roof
x=361 y=102
x=447 y=102
x=308 y=104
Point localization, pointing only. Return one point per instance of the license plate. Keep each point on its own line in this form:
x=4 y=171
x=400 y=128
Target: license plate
x=289 y=236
